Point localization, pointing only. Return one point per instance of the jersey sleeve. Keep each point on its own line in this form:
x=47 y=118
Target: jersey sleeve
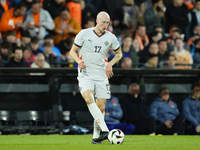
x=78 y=41
x=115 y=44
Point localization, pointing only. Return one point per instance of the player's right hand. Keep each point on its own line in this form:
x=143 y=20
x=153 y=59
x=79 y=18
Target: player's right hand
x=81 y=64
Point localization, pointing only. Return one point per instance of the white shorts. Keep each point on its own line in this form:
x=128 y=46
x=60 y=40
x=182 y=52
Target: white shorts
x=100 y=88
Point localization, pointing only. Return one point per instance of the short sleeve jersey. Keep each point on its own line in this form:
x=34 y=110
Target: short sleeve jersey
x=93 y=51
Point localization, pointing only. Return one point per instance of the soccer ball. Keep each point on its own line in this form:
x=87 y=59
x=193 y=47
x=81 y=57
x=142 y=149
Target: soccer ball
x=116 y=136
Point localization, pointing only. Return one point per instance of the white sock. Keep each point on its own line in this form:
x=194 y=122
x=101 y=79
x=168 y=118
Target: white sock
x=97 y=115
x=97 y=129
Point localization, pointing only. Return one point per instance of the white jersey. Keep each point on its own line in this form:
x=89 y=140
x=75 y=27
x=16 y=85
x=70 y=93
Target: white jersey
x=93 y=51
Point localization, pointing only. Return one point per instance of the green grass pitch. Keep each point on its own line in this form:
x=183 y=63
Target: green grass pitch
x=83 y=142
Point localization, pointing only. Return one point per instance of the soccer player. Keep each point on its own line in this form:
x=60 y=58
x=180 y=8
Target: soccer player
x=94 y=69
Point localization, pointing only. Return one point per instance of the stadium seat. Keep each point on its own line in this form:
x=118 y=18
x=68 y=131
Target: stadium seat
x=37 y=121
x=84 y=119
x=8 y=121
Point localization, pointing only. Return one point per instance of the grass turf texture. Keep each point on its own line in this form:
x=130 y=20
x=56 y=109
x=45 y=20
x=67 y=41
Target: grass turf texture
x=83 y=142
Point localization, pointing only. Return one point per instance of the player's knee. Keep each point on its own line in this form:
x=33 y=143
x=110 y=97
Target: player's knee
x=89 y=101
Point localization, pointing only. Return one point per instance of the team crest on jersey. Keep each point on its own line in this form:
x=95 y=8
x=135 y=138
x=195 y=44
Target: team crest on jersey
x=106 y=43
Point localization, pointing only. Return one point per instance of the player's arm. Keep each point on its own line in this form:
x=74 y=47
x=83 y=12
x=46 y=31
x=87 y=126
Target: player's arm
x=118 y=56
x=74 y=56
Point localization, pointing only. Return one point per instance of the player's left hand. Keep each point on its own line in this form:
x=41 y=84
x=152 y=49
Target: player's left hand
x=109 y=72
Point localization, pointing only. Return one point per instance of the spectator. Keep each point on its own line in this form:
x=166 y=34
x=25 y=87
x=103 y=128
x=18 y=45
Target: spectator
x=65 y=45
x=141 y=11
x=50 y=38
x=65 y=26
x=17 y=59
x=155 y=37
x=95 y=3
x=141 y=36
x=182 y=55
x=144 y=55
x=113 y=115
x=49 y=56
x=25 y=39
x=129 y=51
x=28 y=4
x=38 y=21
x=5 y=52
x=176 y=15
x=115 y=14
x=194 y=36
x=123 y=34
x=11 y=36
x=75 y=10
x=35 y=46
x=196 y=55
x=136 y=45
x=130 y=13
x=193 y=17
x=39 y=63
x=89 y=14
x=158 y=28
x=187 y=4
x=152 y=62
x=126 y=63
x=135 y=111
x=163 y=52
x=54 y=7
x=176 y=34
x=154 y=16
x=164 y=110
x=170 y=63
x=13 y=19
x=90 y=22
x=4 y=6
x=191 y=108
x=28 y=56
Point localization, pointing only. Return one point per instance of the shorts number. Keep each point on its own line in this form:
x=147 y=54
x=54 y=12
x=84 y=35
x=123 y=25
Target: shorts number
x=108 y=87
x=97 y=49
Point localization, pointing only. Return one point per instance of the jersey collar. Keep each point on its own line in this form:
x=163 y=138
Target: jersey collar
x=99 y=35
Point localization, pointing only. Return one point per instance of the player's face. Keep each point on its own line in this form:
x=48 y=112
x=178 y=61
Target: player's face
x=103 y=23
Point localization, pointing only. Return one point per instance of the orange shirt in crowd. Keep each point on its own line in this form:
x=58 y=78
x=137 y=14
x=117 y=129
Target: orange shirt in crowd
x=75 y=11
x=184 y=58
x=8 y=22
x=140 y=41
x=36 y=18
x=58 y=26
x=5 y=7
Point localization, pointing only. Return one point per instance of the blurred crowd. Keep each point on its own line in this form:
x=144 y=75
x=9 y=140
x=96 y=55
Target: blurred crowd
x=152 y=33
